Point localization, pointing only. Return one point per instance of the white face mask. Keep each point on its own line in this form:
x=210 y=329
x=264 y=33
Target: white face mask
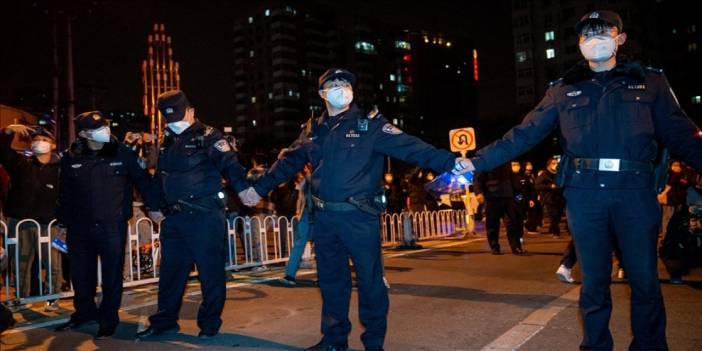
x=101 y=135
x=41 y=147
x=179 y=127
x=598 y=49
x=339 y=97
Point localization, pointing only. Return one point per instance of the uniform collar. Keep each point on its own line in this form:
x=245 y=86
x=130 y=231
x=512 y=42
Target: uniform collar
x=352 y=112
x=624 y=68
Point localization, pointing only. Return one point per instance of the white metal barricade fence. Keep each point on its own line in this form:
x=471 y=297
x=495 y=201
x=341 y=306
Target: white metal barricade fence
x=251 y=242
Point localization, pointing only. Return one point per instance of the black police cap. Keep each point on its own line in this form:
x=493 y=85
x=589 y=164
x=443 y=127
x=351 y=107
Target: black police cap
x=600 y=16
x=90 y=120
x=172 y=105
x=337 y=73
x=42 y=131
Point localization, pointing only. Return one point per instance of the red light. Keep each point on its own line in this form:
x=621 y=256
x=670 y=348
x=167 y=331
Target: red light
x=407 y=58
x=699 y=133
x=475 y=65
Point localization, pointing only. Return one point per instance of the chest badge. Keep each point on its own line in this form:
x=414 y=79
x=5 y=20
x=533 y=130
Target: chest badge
x=77 y=165
x=113 y=164
x=636 y=86
x=574 y=93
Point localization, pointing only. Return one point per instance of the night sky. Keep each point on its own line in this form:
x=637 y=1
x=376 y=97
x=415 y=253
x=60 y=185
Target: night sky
x=110 y=43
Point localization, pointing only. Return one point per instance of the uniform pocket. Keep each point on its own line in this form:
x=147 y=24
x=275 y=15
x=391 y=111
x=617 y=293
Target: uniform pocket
x=634 y=110
x=576 y=113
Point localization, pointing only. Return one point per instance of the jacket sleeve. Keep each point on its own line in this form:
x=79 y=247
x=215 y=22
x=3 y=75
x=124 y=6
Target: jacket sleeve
x=675 y=129
x=391 y=141
x=291 y=162
x=65 y=188
x=543 y=182
x=141 y=178
x=222 y=154
x=536 y=126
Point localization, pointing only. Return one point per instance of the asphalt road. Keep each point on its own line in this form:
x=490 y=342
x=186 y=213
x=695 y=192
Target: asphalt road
x=454 y=295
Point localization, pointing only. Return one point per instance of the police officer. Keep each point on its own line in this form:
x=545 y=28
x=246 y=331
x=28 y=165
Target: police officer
x=95 y=201
x=193 y=159
x=346 y=148
x=612 y=115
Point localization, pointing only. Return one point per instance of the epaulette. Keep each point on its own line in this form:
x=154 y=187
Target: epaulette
x=374 y=112
x=555 y=82
x=654 y=70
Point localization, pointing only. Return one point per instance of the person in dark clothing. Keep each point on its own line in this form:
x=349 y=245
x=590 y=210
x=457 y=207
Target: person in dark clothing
x=551 y=197
x=612 y=115
x=534 y=212
x=32 y=195
x=496 y=190
x=98 y=174
x=674 y=195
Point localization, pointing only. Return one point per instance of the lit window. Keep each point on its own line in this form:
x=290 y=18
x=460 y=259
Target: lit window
x=253 y=99
x=404 y=45
x=458 y=71
x=250 y=19
x=521 y=56
x=394 y=121
x=267 y=13
x=448 y=44
x=392 y=77
x=251 y=53
x=550 y=53
x=304 y=72
x=365 y=47
x=290 y=93
x=675 y=31
x=289 y=9
x=447 y=66
x=380 y=86
x=550 y=35
x=402 y=88
x=270 y=96
x=692 y=47
x=697 y=100
x=426 y=39
x=253 y=122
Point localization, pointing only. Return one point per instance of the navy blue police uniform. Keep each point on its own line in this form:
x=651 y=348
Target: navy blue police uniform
x=94 y=204
x=611 y=126
x=347 y=152
x=189 y=173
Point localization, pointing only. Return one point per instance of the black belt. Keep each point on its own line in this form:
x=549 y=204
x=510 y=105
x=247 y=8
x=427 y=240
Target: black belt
x=611 y=165
x=203 y=204
x=322 y=205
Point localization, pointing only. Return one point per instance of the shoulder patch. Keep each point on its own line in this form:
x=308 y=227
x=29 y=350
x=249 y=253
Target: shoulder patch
x=223 y=145
x=391 y=129
x=555 y=82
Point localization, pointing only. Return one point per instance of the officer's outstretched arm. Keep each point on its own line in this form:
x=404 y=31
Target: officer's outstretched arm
x=675 y=129
x=222 y=154
x=142 y=179
x=536 y=126
x=391 y=141
x=287 y=165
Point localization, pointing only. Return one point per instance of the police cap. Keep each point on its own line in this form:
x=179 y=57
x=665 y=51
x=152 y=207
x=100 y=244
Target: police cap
x=600 y=16
x=172 y=105
x=90 y=120
x=337 y=73
x=42 y=131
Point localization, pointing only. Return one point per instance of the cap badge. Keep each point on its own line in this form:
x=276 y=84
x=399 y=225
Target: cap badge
x=338 y=71
x=169 y=110
x=96 y=117
x=595 y=15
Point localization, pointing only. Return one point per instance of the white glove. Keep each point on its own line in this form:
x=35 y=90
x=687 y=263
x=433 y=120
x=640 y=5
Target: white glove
x=463 y=165
x=156 y=216
x=249 y=197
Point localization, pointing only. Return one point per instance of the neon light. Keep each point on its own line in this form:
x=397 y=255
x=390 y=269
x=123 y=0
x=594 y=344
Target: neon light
x=475 y=65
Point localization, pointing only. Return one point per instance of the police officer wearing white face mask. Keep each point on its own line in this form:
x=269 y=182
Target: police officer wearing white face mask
x=96 y=185
x=347 y=149
x=193 y=159
x=612 y=115
x=32 y=194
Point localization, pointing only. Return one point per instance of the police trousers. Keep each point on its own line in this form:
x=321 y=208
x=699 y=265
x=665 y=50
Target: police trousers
x=337 y=237
x=630 y=218
x=187 y=238
x=85 y=243
x=495 y=210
